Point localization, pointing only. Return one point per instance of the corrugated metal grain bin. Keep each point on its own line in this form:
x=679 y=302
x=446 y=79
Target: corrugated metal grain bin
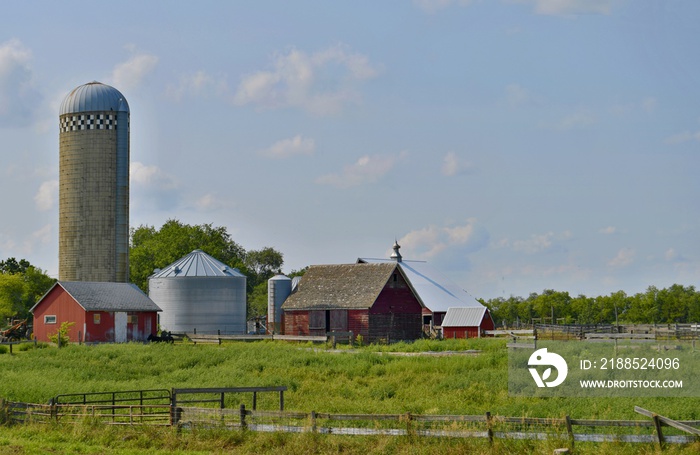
x=278 y=289
x=200 y=293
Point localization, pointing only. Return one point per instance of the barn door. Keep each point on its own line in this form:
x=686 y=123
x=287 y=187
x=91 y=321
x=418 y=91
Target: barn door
x=338 y=320
x=120 y=321
x=317 y=322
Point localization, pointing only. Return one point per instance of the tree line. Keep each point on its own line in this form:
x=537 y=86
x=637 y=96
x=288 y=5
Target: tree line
x=22 y=284
x=675 y=304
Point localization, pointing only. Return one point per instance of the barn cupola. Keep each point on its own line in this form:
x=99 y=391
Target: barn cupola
x=396 y=255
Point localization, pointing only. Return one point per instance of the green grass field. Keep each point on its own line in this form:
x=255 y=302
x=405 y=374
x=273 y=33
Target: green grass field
x=365 y=380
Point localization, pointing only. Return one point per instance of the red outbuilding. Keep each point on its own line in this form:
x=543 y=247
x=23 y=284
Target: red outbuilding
x=372 y=300
x=100 y=312
x=466 y=322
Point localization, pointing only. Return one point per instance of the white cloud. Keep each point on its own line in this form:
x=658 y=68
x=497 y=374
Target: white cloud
x=571 y=7
x=297 y=145
x=517 y=95
x=43 y=235
x=18 y=96
x=535 y=244
x=198 y=84
x=367 y=169
x=320 y=83
x=151 y=176
x=128 y=75
x=454 y=165
x=608 y=230
x=211 y=202
x=579 y=119
x=447 y=244
x=47 y=195
x=685 y=136
x=623 y=258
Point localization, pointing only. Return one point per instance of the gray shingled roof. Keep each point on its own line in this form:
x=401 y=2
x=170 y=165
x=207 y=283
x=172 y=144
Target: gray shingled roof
x=98 y=296
x=344 y=286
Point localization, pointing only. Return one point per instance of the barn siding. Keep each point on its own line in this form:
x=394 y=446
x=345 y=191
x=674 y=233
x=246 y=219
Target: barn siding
x=104 y=331
x=296 y=322
x=358 y=323
x=397 y=313
x=60 y=304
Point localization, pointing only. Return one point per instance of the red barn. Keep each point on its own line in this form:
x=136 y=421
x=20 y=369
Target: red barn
x=466 y=322
x=372 y=300
x=106 y=312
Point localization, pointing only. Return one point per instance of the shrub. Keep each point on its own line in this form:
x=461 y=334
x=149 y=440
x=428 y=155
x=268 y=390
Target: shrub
x=61 y=337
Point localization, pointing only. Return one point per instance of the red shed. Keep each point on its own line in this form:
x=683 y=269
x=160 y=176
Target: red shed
x=372 y=300
x=466 y=322
x=106 y=312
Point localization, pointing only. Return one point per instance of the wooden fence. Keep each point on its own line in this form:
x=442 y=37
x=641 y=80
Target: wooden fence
x=601 y=332
x=656 y=429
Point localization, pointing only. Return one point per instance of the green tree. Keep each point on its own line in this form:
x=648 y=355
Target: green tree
x=21 y=286
x=11 y=266
x=264 y=263
x=152 y=249
x=12 y=291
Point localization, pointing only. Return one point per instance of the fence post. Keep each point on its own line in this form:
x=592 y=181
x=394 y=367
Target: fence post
x=313 y=421
x=409 y=418
x=659 y=433
x=570 y=430
x=489 y=427
x=243 y=423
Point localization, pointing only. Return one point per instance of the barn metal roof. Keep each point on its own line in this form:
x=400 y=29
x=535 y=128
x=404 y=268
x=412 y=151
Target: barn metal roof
x=464 y=317
x=342 y=286
x=437 y=292
x=196 y=264
x=94 y=96
x=100 y=296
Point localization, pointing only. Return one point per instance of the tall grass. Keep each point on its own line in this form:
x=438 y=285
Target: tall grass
x=359 y=381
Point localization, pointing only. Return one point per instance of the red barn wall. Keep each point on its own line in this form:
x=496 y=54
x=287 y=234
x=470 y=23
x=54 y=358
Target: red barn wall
x=86 y=328
x=469 y=332
x=397 y=313
x=60 y=304
x=358 y=323
x=460 y=332
x=487 y=323
x=296 y=322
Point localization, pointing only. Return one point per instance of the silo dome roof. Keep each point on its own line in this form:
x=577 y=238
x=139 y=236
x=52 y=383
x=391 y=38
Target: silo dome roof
x=197 y=263
x=94 y=96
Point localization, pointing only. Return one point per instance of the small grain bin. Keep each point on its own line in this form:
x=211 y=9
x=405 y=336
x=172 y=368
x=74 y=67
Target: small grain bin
x=278 y=289
x=200 y=293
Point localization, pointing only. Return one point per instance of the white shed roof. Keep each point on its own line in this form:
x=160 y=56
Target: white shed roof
x=464 y=317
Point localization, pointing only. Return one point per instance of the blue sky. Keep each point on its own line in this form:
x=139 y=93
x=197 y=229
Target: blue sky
x=516 y=145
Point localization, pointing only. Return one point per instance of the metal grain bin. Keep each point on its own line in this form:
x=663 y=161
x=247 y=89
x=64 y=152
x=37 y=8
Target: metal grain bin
x=278 y=289
x=200 y=293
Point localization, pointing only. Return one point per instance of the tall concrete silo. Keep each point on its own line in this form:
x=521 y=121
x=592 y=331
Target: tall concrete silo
x=278 y=289
x=93 y=239
x=202 y=293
